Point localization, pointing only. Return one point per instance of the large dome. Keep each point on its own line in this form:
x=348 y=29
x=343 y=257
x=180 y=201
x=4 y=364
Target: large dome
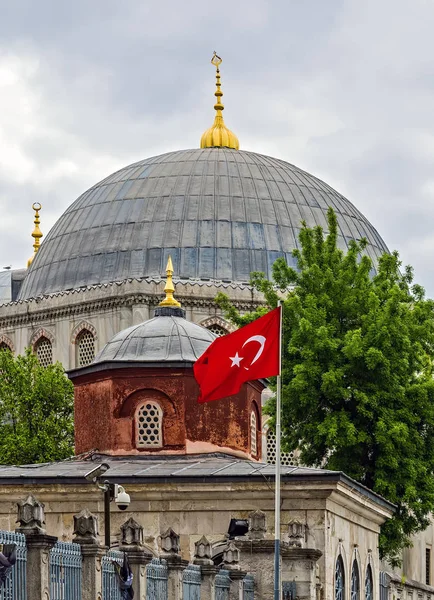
x=219 y=213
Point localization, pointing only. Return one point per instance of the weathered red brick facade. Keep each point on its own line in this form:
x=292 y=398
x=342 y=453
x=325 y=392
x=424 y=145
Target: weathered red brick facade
x=107 y=399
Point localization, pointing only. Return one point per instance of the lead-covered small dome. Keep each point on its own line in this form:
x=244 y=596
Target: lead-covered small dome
x=163 y=339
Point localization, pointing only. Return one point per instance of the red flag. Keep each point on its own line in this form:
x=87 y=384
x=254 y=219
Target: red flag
x=249 y=353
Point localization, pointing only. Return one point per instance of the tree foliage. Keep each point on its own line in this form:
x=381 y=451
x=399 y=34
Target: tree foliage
x=36 y=410
x=357 y=376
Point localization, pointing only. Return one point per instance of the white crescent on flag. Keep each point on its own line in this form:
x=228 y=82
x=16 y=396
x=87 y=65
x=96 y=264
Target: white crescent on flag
x=261 y=340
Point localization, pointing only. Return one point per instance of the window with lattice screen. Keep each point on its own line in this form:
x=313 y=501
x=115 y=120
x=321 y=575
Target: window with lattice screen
x=44 y=351
x=149 y=425
x=85 y=348
x=4 y=346
x=218 y=330
x=287 y=459
x=253 y=434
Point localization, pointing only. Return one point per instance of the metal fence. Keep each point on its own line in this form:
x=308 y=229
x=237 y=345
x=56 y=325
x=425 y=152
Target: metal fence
x=156 y=580
x=110 y=582
x=15 y=586
x=222 y=585
x=65 y=571
x=384 y=585
x=248 y=588
x=191 y=581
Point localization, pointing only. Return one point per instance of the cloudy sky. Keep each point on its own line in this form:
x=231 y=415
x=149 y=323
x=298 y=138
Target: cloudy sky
x=342 y=88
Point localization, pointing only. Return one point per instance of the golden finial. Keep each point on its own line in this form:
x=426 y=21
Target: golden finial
x=219 y=135
x=169 y=288
x=37 y=234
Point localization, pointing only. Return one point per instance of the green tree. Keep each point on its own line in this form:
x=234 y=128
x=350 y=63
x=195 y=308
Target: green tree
x=36 y=410
x=357 y=375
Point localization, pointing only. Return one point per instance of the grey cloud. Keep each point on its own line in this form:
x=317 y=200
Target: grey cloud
x=343 y=89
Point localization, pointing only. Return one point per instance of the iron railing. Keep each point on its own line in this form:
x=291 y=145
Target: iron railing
x=65 y=571
x=110 y=582
x=384 y=585
x=156 y=580
x=222 y=585
x=248 y=588
x=15 y=585
x=191 y=581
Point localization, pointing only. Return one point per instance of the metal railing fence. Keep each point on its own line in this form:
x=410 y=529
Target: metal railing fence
x=384 y=581
x=15 y=585
x=156 y=580
x=110 y=582
x=248 y=588
x=191 y=582
x=222 y=585
x=65 y=571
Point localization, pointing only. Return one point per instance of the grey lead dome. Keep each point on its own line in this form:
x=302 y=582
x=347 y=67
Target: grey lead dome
x=219 y=213
x=159 y=340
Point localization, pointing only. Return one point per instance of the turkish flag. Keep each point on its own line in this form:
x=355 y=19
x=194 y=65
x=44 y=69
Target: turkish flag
x=252 y=352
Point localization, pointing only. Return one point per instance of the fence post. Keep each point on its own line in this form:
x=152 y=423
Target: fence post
x=231 y=560
x=170 y=552
x=31 y=518
x=203 y=557
x=138 y=557
x=86 y=534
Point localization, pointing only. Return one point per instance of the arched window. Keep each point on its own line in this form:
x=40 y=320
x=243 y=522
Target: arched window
x=217 y=329
x=339 y=579
x=287 y=459
x=85 y=348
x=149 y=425
x=253 y=434
x=355 y=582
x=44 y=351
x=369 y=594
x=5 y=346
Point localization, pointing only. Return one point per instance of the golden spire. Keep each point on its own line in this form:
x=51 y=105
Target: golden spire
x=169 y=288
x=37 y=234
x=219 y=136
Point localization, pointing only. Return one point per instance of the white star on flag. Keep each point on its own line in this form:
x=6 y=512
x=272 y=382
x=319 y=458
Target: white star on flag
x=236 y=359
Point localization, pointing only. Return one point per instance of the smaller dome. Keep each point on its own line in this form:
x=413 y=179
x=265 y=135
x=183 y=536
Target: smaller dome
x=161 y=339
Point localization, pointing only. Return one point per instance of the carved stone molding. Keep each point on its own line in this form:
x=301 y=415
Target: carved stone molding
x=83 y=326
x=169 y=541
x=203 y=552
x=257 y=525
x=38 y=334
x=296 y=533
x=4 y=339
x=216 y=320
x=132 y=533
x=31 y=516
x=86 y=527
x=231 y=557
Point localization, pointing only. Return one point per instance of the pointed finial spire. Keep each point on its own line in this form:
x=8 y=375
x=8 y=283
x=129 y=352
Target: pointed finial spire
x=219 y=136
x=169 y=288
x=37 y=234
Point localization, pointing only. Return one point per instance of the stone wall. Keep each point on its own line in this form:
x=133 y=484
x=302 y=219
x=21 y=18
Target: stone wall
x=108 y=309
x=327 y=519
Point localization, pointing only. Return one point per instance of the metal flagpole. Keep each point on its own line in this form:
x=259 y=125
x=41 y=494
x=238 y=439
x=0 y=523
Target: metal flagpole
x=277 y=585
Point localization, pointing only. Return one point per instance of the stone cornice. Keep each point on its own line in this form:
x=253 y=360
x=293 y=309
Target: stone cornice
x=129 y=293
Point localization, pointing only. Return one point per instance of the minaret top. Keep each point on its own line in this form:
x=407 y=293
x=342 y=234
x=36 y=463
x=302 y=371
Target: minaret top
x=219 y=136
x=37 y=233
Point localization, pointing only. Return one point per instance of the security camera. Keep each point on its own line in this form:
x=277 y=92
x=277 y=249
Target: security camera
x=122 y=499
x=96 y=472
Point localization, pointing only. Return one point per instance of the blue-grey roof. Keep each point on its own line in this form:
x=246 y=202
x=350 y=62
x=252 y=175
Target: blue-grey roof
x=219 y=213
x=200 y=468
x=159 y=340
